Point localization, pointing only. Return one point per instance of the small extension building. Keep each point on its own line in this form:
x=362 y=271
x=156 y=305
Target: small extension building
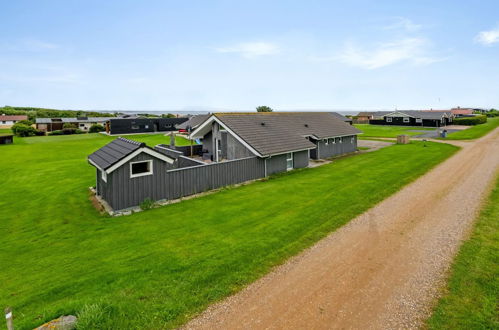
x=192 y=123
x=115 y=126
x=7 y=121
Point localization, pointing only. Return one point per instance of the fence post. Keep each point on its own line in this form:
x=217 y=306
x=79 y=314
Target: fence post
x=8 y=318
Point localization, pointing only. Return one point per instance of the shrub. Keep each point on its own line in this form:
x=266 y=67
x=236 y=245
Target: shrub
x=23 y=130
x=68 y=130
x=68 y=125
x=147 y=204
x=96 y=128
x=476 y=120
x=25 y=122
x=492 y=113
x=39 y=133
x=78 y=131
x=56 y=132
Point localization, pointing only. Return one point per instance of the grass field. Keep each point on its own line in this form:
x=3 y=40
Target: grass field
x=389 y=131
x=475 y=132
x=471 y=298
x=157 y=268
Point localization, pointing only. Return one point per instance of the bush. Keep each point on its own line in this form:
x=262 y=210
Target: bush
x=79 y=131
x=476 y=120
x=68 y=125
x=23 y=130
x=492 y=113
x=147 y=204
x=96 y=128
x=39 y=133
x=56 y=132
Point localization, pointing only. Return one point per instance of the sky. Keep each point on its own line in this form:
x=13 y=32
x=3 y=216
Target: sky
x=236 y=55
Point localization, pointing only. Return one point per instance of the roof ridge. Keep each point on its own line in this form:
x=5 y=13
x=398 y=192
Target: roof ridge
x=141 y=144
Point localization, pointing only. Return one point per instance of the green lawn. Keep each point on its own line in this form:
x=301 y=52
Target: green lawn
x=389 y=131
x=156 y=269
x=471 y=298
x=475 y=131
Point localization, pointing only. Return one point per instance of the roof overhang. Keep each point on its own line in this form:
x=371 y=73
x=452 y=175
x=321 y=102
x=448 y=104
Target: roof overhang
x=398 y=114
x=206 y=126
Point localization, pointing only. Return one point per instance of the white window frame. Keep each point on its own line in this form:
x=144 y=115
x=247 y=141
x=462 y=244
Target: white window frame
x=406 y=120
x=103 y=176
x=326 y=141
x=141 y=174
x=419 y=120
x=289 y=158
x=340 y=139
x=352 y=140
x=334 y=140
x=388 y=119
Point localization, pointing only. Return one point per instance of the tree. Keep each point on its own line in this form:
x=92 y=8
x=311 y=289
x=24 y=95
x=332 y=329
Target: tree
x=23 y=130
x=264 y=108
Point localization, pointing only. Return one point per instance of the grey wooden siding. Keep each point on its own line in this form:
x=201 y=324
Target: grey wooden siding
x=191 y=180
x=167 y=151
x=300 y=159
x=348 y=144
x=121 y=191
x=276 y=164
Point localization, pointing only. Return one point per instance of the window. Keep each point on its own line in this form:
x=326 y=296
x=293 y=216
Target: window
x=140 y=168
x=352 y=140
x=4 y=122
x=135 y=127
x=103 y=175
x=146 y=126
x=419 y=120
x=289 y=161
x=340 y=140
x=388 y=119
x=406 y=120
x=326 y=141
x=82 y=125
x=334 y=140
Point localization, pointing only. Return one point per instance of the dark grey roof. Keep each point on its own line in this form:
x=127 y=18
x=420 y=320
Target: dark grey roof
x=340 y=116
x=280 y=132
x=193 y=122
x=425 y=114
x=114 y=151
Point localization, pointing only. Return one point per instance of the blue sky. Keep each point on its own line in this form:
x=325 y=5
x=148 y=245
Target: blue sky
x=155 y=55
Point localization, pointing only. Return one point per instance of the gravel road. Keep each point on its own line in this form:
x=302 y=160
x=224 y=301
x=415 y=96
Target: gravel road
x=384 y=269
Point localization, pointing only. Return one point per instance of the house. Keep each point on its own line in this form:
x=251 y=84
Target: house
x=363 y=117
x=285 y=139
x=8 y=121
x=116 y=126
x=83 y=123
x=237 y=148
x=192 y=123
x=456 y=112
x=415 y=118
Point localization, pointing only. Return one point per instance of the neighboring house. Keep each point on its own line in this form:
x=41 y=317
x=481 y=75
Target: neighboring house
x=6 y=139
x=365 y=116
x=83 y=123
x=243 y=146
x=8 y=121
x=192 y=123
x=286 y=139
x=142 y=125
x=343 y=118
x=415 y=118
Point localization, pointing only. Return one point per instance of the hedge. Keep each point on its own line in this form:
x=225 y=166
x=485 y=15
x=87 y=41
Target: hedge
x=476 y=120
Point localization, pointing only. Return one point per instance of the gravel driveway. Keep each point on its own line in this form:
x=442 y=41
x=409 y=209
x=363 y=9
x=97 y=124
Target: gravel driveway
x=383 y=270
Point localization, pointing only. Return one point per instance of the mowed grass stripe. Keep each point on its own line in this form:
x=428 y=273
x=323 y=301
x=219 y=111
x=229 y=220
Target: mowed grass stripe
x=470 y=300
x=158 y=268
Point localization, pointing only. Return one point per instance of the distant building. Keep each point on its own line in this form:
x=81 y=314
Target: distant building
x=8 y=121
x=83 y=123
x=142 y=125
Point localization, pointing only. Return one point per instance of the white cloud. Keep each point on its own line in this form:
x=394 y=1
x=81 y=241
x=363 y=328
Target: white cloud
x=488 y=37
x=406 y=50
x=251 y=49
x=405 y=24
x=30 y=45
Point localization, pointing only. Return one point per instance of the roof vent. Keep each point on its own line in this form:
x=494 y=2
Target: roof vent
x=306 y=125
x=262 y=123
